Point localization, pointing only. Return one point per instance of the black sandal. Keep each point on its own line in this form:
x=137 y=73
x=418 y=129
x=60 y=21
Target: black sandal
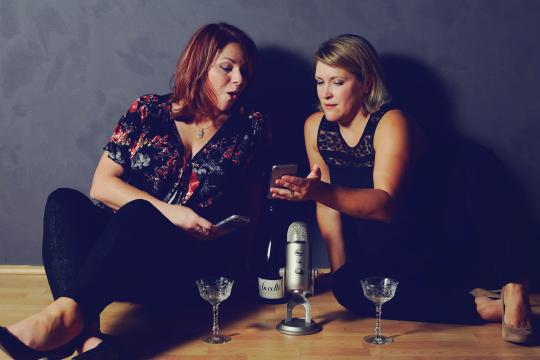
x=108 y=349
x=20 y=351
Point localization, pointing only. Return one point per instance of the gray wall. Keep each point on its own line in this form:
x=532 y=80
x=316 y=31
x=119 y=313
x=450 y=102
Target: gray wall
x=69 y=69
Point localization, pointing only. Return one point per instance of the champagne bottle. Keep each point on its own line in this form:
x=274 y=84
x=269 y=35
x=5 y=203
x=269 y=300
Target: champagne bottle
x=272 y=241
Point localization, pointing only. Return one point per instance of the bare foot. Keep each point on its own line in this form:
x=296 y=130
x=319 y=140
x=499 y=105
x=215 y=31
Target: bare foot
x=52 y=327
x=517 y=310
x=489 y=309
x=89 y=344
x=91 y=339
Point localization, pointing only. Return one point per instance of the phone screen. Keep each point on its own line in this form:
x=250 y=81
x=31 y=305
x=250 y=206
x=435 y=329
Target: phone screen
x=231 y=223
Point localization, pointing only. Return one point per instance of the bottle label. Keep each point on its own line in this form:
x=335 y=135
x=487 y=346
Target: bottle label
x=271 y=289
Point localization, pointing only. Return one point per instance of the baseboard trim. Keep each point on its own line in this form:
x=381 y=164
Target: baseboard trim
x=39 y=270
x=22 y=270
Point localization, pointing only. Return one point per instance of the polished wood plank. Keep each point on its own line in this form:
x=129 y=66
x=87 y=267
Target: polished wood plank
x=152 y=334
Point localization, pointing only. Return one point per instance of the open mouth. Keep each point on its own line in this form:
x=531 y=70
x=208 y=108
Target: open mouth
x=233 y=94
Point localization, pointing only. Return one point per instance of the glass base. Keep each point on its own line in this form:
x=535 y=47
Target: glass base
x=378 y=340
x=217 y=339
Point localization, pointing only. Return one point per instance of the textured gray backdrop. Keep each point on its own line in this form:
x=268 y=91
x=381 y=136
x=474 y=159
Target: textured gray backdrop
x=69 y=69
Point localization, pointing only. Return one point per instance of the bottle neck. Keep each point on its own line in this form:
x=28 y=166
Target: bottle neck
x=275 y=205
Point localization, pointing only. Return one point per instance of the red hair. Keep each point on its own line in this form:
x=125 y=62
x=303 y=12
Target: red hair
x=191 y=90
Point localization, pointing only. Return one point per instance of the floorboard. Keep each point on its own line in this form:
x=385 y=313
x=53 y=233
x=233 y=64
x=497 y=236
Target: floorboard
x=153 y=334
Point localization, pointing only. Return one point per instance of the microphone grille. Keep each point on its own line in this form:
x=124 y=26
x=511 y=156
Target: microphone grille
x=297 y=232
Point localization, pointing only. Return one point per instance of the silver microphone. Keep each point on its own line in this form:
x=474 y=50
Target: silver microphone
x=298 y=259
x=299 y=281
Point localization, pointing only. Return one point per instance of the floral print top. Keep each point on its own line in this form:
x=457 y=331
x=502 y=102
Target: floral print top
x=146 y=143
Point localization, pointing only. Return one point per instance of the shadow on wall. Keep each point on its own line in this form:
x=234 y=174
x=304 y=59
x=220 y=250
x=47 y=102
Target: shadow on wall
x=471 y=212
x=285 y=92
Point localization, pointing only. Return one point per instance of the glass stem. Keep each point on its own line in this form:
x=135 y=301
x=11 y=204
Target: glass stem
x=215 y=326
x=378 y=310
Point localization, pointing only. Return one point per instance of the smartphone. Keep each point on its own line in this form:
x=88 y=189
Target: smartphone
x=279 y=171
x=231 y=223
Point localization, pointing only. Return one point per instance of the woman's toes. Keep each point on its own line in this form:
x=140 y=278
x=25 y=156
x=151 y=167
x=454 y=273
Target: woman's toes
x=90 y=343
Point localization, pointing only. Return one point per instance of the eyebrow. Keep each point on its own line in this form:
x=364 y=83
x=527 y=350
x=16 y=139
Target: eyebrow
x=332 y=78
x=231 y=60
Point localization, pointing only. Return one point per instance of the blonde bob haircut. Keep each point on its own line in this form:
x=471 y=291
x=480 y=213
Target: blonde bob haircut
x=356 y=55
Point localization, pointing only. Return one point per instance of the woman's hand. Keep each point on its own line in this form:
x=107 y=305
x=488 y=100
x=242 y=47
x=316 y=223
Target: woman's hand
x=109 y=188
x=188 y=220
x=297 y=188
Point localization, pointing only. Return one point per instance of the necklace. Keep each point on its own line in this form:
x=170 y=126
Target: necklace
x=200 y=132
x=215 y=123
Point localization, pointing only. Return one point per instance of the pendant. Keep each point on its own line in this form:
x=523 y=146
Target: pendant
x=199 y=133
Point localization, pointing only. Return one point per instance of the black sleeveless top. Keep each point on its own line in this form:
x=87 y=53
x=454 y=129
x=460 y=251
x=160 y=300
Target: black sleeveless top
x=353 y=167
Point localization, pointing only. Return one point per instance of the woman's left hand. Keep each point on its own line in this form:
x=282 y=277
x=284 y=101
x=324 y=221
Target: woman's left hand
x=297 y=188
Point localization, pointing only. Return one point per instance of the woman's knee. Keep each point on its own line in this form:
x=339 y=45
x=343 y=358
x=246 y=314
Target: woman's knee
x=347 y=289
x=137 y=211
x=62 y=206
x=137 y=206
x=339 y=284
x=68 y=218
x=136 y=222
x=64 y=197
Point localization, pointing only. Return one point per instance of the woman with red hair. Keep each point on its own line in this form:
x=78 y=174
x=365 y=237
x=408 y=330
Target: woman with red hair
x=174 y=166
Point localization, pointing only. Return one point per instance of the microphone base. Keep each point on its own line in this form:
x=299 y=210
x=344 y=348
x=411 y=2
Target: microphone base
x=296 y=326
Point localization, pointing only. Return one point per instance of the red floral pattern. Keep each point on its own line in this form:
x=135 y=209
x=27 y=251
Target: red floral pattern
x=146 y=143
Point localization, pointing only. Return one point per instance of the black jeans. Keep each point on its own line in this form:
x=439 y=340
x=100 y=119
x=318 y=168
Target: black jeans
x=95 y=256
x=469 y=228
x=420 y=296
x=436 y=274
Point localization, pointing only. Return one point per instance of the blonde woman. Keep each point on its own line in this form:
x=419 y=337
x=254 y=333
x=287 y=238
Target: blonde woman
x=362 y=149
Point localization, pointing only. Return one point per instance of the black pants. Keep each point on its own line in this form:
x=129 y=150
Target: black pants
x=433 y=287
x=96 y=257
x=421 y=295
x=435 y=274
x=468 y=227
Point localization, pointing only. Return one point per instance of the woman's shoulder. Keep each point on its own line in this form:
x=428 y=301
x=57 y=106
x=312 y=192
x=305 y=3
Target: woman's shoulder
x=393 y=119
x=392 y=126
x=396 y=124
x=392 y=116
x=313 y=122
x=149 y=106
x=389 y=108
x=152 y=100
x=316 y=117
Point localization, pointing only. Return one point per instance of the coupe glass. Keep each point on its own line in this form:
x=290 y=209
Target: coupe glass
x=215 y=290
x=379 y=290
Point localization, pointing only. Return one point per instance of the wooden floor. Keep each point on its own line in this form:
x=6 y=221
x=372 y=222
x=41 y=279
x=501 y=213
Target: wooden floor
x=150 y=334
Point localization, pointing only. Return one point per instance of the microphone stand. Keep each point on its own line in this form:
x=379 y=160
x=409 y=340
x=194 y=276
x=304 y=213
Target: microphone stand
x=299 y=280
x=299 y=326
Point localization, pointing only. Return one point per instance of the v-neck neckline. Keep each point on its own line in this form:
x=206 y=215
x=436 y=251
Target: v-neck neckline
x=361 y=135
x=207 y=144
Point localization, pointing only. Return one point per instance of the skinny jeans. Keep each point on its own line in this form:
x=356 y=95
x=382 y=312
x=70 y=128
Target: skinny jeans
x=95 y=256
